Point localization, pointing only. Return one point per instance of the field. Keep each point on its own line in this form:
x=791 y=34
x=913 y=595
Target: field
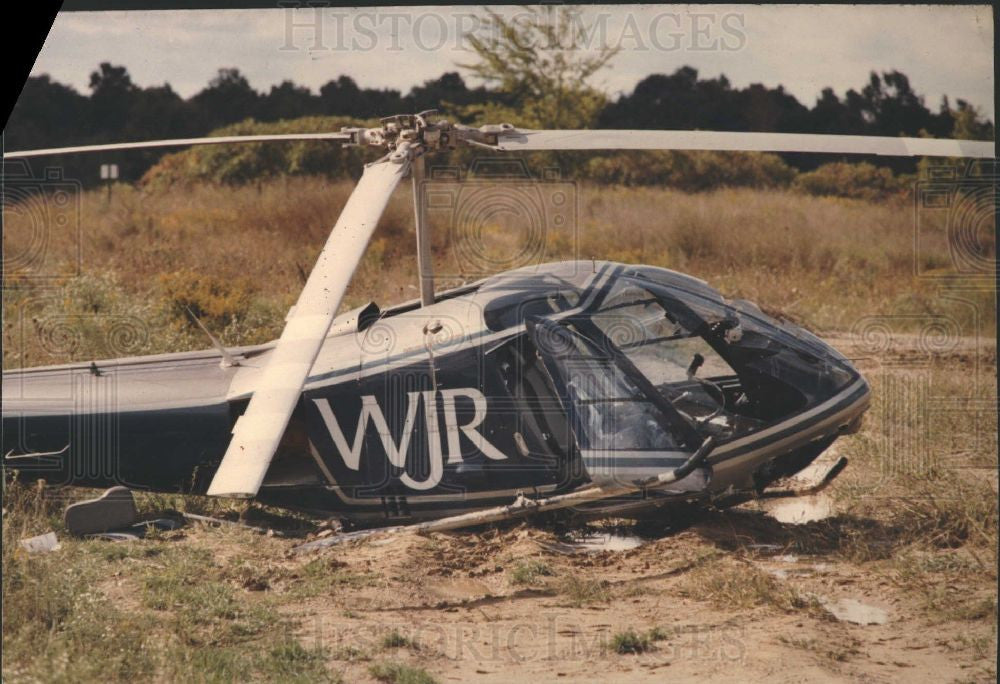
x=237 y=258
x=910 y=531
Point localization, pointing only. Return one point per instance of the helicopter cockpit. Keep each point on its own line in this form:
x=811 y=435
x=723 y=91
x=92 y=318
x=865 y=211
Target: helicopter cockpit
x=653 y=362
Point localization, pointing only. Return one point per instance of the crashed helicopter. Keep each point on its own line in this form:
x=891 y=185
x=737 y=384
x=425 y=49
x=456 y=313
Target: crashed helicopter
x=612 y=388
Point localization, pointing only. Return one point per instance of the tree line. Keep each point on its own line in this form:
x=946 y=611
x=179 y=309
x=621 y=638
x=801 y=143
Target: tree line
x=50 y=114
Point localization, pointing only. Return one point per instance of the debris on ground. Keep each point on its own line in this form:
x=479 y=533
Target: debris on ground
x=112 y=510
x=43 y=543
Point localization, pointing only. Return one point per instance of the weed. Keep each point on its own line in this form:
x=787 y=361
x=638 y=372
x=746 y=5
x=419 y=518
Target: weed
x=980 y=644
x=839 y=651
x=350 y=653
x=580 y=591
x=795 y=250
x=400 y=673
x=630 y=641
x=527 y=572
x=288 y=660
x=396 y=640
x=658 y=634
x=637 y=589
x=730 y=585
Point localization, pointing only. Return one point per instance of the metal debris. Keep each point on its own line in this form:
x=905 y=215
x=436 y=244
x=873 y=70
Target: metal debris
x=43 y=543
x=852 y=610
x=112 y=510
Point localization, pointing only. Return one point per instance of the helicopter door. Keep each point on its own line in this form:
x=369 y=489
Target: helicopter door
x=623 y=434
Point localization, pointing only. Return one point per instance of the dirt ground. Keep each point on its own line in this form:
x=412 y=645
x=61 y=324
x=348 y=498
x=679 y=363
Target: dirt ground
x=889 y=575
x=471 y=624
x=737 y=595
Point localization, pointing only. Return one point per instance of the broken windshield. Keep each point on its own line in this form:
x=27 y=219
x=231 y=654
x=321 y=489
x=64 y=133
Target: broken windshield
x=610 y=410
x=651 y=363
x=679 y=364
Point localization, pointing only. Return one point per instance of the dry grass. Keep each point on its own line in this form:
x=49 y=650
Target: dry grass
x=530 y=571
x=400 y=673
x=237 y=255
x=579 y=591
x=917 y=508
x=735 y=585
x=160 y=610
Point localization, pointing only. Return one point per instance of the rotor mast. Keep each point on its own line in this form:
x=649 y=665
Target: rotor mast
x=423 y=136
x=425 y=260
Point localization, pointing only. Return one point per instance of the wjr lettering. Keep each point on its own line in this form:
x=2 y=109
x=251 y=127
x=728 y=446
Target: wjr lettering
x=396 y=451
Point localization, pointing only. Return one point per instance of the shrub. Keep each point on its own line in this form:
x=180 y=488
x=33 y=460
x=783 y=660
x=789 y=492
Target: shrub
x=400 y=673
x=630 y=641
x=247 y=162
x=216 y=301
x=527 y=572
x=692 y=171
x=855 y=181
x=396 y=640
x=583 y=591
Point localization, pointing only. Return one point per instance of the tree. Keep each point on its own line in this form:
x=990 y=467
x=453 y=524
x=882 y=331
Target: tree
x=677 y=101
x=968 y=123
x=47 y=114
x=228 y=98
x=287 y=101
x=343 y=97
x=111 y=91
x=538 y=61
x=830 y=115
x=446 y=92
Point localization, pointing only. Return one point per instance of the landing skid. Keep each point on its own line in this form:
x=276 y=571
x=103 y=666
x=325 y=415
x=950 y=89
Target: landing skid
x=729 y=499
x=525 y=506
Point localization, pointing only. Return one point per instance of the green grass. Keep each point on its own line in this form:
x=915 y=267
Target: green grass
x=529 y=571
x=396 y=640
x=581 y=591
x=164 y=609
x=323 y=575
x=631 y=641
x=400 y=673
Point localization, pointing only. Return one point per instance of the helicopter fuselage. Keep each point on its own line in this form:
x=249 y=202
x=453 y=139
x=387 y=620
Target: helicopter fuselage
x=535 y=381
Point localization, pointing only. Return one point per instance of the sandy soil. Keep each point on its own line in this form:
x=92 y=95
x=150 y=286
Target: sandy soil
x=452 y=595
x=457 y=596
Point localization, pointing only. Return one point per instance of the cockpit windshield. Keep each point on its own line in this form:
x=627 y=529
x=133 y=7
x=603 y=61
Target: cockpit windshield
x=680 y=364
x=652 y=366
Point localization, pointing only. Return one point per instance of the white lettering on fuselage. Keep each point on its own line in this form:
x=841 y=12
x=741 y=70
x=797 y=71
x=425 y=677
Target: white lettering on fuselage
x=396 y=452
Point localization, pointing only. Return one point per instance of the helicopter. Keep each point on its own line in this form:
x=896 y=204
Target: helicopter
x=609 y=388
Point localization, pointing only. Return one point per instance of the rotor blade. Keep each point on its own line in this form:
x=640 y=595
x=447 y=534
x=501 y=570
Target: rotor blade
x=260 y=428
x=178 y=142
x=598 y=139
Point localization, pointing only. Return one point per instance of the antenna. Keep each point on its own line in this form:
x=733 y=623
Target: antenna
x=227 y=359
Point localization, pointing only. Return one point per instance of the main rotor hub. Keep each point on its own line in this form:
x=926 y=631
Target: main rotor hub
x=417 y=133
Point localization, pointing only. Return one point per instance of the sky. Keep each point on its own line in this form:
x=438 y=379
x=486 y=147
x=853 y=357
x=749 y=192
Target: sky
x=945 y=50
